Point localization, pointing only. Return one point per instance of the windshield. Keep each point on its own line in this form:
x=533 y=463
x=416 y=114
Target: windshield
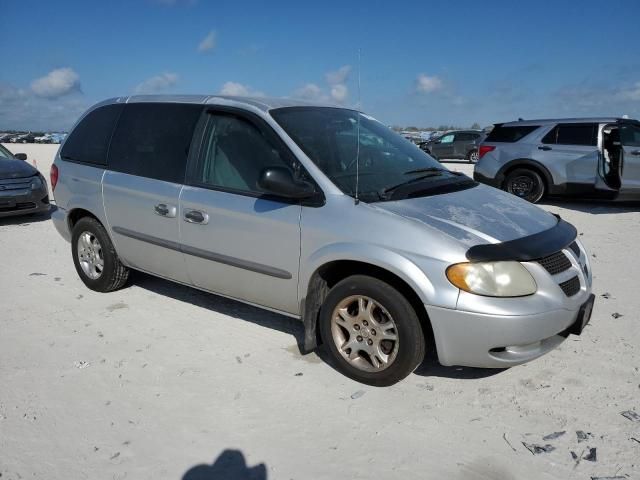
x=4 y=153
x=386 y=160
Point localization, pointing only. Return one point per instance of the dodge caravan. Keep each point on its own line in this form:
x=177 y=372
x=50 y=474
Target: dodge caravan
x=323 y=214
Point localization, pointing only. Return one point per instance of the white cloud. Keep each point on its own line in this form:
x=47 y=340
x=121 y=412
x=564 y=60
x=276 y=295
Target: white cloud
x=236 y=89
x=632 y=93
x=312 y=92
x=340 y=76
x=428 y=84
x=335 y=92
x=208 y=43
x=22 y=109
x=56 y=83
x=339 y=93
x=157 y=84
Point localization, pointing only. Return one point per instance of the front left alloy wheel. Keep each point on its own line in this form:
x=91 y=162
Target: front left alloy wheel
x=371 y=331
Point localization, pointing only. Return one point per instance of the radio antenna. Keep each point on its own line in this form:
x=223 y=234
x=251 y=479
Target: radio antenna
x=359 y=106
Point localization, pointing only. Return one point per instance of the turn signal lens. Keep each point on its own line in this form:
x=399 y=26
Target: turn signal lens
x=492 y=279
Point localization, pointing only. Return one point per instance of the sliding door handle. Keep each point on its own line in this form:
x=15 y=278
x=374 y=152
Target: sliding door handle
x=165 y=210
x=196 y=216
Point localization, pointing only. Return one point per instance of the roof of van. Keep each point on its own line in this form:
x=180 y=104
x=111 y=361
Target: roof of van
x=547 y=121
x=261 y=103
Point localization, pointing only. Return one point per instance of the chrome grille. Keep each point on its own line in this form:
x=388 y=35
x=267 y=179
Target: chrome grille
x=571 y=286
x=556 y=263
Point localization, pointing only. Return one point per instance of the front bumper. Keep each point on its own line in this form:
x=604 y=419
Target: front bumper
x=23 y=202
x=497 y=341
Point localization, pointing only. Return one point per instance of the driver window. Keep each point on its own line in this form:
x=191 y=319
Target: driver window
x=234 y=154
x=447 y=138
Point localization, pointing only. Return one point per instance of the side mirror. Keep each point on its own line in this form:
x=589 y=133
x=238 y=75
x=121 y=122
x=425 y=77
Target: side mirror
x=279 y=181
x=21 y=156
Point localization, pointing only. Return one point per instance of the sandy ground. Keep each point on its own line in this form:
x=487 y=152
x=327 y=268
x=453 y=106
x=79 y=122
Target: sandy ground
x=159 y=381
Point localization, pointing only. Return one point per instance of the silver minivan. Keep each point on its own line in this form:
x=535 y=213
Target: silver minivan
x=323 y=214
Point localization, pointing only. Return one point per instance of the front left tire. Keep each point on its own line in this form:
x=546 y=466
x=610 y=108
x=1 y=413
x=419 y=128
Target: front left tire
x=372 y=333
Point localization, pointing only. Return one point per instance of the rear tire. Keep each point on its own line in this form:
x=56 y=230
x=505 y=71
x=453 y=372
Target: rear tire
x=381 y=326
x=526 y=184
x=473 y=156
x=95 y=257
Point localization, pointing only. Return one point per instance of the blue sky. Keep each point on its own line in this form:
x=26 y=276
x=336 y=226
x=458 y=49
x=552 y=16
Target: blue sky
x=423 y=63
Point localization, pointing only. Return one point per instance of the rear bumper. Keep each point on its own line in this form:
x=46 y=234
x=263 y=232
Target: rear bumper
x=496 y=341
x=26 y=202
x=492 y=182
x=59 y=219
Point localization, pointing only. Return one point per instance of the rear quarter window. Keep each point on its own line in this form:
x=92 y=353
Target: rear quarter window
x=89 y=141
x=573 y=134
x=152 y=140
x=509 y=134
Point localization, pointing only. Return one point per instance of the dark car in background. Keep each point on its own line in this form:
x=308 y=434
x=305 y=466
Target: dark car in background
x=458 y=144
x=23 y=189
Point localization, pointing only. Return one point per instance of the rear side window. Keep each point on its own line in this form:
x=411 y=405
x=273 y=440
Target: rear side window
x=152 y=140
x=630 y=135
x=504 y=134
x=89 y=141
x=573 y=134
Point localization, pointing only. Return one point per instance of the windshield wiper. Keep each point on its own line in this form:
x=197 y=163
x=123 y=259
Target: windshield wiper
x=431 y=173
x=425 y=170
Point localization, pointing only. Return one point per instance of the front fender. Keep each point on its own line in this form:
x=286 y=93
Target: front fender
x=381 y=257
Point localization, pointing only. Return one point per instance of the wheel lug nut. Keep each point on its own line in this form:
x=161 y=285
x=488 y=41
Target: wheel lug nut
x=369 y=342
x=356 y=326
x=373 y=332
x=359 y=338
x=365 y=323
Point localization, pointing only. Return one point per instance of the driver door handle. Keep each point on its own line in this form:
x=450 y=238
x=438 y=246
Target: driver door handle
x=165 y=210
x=196 y=216
x=544 y=147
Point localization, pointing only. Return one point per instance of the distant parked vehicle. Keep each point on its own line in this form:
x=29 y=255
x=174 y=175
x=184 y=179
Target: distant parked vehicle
x=24 y=138
x=46 y=138
x=588 y=157
x=23 y=189
x=460 y=144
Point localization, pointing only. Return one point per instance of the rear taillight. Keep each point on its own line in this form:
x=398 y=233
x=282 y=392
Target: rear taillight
x=54 y=176
x=484 y=149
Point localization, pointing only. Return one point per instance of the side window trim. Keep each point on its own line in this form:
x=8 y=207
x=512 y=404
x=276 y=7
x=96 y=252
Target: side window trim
x=195 y=154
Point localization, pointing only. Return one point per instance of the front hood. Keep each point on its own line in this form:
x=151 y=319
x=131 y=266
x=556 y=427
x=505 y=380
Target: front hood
x=13 y=168
x=476 y=215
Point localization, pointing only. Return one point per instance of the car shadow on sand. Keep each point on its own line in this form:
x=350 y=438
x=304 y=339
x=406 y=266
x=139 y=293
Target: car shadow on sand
x=24 y=220
x=594 y=207
x=429 y=368
x=230 y=464
x=222 y=305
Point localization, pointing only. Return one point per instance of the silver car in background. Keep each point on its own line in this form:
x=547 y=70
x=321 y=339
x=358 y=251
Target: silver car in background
x=583 y=157
x=322 y=214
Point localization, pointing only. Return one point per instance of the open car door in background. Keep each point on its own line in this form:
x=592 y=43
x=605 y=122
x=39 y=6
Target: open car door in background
x=630 y=143
x=610 y=159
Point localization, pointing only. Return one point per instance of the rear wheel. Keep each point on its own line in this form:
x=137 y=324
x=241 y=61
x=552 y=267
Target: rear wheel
x=95 y=258
x=526 y=184
x=472 y=156
x=371 y=331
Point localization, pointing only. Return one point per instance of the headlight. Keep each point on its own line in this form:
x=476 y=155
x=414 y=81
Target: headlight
x=36 y=183
x=492 y=279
